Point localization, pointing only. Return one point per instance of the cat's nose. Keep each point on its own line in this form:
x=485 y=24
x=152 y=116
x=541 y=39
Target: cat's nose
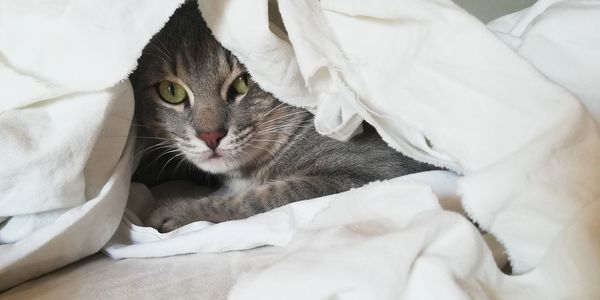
x=213 y=138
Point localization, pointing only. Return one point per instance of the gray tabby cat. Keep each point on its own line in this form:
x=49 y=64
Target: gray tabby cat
x=194 y=94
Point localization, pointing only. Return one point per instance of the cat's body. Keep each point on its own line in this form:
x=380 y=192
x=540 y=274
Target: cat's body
x=266 y=153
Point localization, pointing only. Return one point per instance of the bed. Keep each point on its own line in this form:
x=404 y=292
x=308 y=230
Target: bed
x=512 y=118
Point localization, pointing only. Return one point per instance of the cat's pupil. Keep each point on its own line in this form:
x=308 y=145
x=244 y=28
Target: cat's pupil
x=238 y=87
x=172 y=89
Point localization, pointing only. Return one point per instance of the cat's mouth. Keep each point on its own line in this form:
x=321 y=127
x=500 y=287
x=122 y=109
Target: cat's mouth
x=216 y=161
x=214 y=154
x=237 y=149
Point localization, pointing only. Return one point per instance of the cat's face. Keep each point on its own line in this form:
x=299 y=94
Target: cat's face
x=192 y=93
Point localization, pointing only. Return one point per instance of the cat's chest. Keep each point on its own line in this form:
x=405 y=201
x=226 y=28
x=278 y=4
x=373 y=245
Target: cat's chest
x=238 y=185
x=235 y=183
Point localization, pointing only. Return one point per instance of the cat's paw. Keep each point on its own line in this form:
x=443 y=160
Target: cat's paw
x=168 y=217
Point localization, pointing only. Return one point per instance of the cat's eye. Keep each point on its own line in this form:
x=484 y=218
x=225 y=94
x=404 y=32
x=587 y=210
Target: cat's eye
x=171 y=92
x=240 y=85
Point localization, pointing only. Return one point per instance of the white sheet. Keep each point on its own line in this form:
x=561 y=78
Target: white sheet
x=201 y=276
x=461 y=99
x=274 y=228
x=64 y=126
x=564 y=46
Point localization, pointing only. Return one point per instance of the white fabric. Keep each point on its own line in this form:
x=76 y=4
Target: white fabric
x=64 y=126
x=199 y=276
x=274 y=228
x=464 y=101
x=564 y=47
x=435 y=83
x=442 y=88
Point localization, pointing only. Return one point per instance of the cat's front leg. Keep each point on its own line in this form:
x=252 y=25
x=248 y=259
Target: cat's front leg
x=258 y=199
x=170 y=215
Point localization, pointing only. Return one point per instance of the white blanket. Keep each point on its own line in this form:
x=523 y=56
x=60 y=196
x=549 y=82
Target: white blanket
x=65 y=114
x=435 y=83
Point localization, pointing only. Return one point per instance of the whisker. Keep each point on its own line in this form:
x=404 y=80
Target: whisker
x=169 y=54
x=167 y=163
x=286 y=116
x=284 y=124
x=152 y=138
x=155 y=160
x=281 y=126
x=276 y=130
x=170 y=149
x=173 y=150
x=181 y=161
x=163 y=58
x=272 y=110
x=152 y=148
x=164 y=55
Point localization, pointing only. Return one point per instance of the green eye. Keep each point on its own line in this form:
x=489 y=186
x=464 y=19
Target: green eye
x=240 y=85
x=171 y=92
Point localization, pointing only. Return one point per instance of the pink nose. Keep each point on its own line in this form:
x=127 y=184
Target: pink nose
x=213 y=138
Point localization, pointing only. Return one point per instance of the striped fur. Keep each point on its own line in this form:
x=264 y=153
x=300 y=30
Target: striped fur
x=271 y=154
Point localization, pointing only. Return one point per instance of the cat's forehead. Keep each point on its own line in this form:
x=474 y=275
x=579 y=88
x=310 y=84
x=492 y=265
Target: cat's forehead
x=196 y=49
x=185 y=48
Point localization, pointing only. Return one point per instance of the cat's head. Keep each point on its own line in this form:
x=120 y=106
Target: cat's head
x=195 y=95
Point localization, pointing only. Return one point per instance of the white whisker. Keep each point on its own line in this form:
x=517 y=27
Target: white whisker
x=285 y=116
x=272 y=110
x=167 y=163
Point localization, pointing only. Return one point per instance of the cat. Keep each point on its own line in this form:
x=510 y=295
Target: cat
x=194 y=95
